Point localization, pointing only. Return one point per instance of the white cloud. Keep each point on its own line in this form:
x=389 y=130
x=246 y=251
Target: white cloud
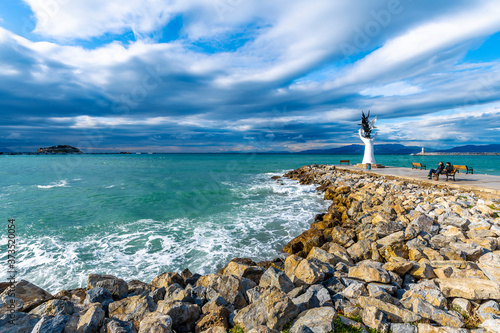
x=392 y=89
x=416 y=51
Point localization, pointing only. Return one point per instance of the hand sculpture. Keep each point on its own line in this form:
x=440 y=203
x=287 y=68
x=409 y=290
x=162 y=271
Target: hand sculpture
x=369 y=156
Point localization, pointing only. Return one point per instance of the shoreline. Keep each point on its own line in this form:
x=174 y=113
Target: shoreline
x=377 y=253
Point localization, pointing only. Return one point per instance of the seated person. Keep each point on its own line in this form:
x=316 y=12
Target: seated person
x=437 y=171
x=449 y=168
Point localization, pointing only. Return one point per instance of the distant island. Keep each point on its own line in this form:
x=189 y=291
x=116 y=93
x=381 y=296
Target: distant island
x=60 y=149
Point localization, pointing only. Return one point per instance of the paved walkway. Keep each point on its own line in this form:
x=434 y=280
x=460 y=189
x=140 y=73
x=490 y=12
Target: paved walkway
x=481 y=183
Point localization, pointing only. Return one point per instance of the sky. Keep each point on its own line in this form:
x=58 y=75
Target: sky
x=247 y=76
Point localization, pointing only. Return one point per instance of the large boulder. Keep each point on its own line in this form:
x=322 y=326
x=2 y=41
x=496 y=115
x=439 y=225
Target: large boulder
x=273 y=309
x=490 y=265
x=440 y=316
x=216 y=316
x=317 y=320
x=370 y=271
x=273 y=277
x=316 y=296
x=117 y=287
x=136 y=287
x=307 y=272
x=91 y=321
x=31 y=295
x=19 y=322
x=156 y=322
x=51 y=324
x=243 y=270
x=117 y=326
x=167 y=279
x=488 y=310
x=491 y=325
x=469 y=288
x=54 y=307
x=184 y=315
x=133 y=309
x=99 y=295
x=375 y=319
x=339 y=253
x=394 y=313
x=229 y=287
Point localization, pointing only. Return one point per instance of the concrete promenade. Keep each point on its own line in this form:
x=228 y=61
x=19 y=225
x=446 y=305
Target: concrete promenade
x=486 y=184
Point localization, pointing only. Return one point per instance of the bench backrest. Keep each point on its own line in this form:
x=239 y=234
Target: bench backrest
x=460 y=167
x=416 y=164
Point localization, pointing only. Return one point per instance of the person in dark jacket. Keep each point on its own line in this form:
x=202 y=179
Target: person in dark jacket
x=437 y=171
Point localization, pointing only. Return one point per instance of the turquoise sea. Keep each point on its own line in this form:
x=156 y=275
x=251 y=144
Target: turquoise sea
x=136 y=216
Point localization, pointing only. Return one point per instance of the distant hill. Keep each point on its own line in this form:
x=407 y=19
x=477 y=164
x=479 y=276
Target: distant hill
x=493 y=148
x=383 y=149
x=5 y=150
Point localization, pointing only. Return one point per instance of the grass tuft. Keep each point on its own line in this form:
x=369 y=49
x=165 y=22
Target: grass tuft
x=236 y=329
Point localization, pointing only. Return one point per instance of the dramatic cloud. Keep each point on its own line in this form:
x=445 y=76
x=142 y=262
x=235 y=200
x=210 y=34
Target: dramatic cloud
x=226 y=75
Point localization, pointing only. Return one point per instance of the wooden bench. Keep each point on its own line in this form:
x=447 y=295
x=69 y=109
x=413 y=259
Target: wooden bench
x=345 y=161
x=464 y=168
x=448 y=174
x=418 y=166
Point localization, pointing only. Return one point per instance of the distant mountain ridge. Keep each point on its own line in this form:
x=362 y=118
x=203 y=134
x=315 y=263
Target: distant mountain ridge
x=493 y=148
x=384 y=149
x=398 y=149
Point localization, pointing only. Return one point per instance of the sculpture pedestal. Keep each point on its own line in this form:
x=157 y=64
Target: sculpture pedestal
x=374 y=166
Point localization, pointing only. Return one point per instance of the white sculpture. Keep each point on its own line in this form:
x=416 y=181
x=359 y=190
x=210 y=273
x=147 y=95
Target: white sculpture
x=369 y=156
x=367 y=138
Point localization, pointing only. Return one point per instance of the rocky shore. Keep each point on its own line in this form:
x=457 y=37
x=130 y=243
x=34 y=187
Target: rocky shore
x=387 y=256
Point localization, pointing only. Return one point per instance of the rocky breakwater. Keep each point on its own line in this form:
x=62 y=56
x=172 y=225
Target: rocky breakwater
x=387 y=255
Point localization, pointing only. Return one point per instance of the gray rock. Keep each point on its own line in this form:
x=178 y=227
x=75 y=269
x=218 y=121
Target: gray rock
x=491 y=325
x=334 y=285
x=91 y=321
x=273 y=309
x=355 y=290
x=158 y=294
x=136 y=287
x=296 y=292
x=253 y=294
x=199 y=294
x=8 y=303
x=132 y=309
x=442 y=317
x=488 y=310
x=171 y=291
x=184 y=315
x=50 y=324
x=117 y=287
x=99 y=295
x=54 y=307
x=375 y=319
x=118 y=326
x=230 y=288
x=273 y=277
x=315 y=296
x=31 y=295
x=376 y=287
x=156 y=322
x=168 y=278
x=472 y=251
x=454 y=220
x=19 y=322
x=317 y=320
x=403 y=328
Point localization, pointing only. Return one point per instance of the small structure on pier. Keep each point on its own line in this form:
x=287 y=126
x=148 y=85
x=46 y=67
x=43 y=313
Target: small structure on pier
x=365 y=134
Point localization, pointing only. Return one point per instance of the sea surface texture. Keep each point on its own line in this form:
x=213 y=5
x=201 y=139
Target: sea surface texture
x=136 y=216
